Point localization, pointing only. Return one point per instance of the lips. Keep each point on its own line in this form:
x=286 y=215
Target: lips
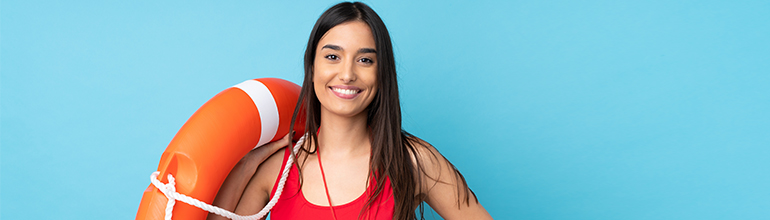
x=345 y=92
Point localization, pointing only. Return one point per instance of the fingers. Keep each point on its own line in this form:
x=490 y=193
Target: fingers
x=286 y=140
x=275 y=145
x=262 y=152
x=279 y=143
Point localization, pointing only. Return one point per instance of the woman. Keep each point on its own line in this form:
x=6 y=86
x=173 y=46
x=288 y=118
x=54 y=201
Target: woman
x=356 y=162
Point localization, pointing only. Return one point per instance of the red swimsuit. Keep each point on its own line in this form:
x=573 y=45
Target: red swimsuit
x=293 y=205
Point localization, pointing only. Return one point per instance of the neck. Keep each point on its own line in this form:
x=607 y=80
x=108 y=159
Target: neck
x=341 y=135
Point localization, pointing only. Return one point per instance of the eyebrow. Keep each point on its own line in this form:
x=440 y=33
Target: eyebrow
x=367 y=50
x=332 y=46
x=362 y=50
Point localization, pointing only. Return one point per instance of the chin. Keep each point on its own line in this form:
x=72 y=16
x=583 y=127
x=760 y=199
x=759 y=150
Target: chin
x=345 y=112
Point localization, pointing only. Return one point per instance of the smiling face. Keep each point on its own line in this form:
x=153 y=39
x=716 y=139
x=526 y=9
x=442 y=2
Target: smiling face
x=345 y=69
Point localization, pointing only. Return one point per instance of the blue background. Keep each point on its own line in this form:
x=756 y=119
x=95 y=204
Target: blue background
x=551 y=109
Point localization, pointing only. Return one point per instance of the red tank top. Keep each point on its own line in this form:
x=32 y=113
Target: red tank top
x=293 y=205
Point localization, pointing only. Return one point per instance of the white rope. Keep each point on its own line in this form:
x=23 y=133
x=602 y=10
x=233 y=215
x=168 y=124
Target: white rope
x=169 y=190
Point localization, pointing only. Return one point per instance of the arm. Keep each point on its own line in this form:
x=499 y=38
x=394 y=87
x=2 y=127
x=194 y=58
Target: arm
x=445 y=188
x=240 y=177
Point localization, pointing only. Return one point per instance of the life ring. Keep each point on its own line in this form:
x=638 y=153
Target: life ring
x=215 y=138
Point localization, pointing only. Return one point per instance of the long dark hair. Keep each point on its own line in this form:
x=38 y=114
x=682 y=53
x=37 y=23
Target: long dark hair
x=392 y=147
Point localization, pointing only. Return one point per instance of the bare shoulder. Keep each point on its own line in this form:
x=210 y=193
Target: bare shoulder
x=432 y=167
x=426 y=157
x=421 y=148
x=444 y=188
x=269 y=170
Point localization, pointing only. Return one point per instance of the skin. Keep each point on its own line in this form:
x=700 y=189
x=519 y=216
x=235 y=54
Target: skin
x=345 y=57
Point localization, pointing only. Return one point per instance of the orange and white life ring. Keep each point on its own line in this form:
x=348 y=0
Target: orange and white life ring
x=215 y=138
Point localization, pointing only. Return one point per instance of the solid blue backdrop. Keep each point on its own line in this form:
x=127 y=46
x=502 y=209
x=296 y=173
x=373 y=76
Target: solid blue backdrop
x=551 y=109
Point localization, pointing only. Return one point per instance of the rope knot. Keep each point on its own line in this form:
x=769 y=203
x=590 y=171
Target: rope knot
x=169 y=190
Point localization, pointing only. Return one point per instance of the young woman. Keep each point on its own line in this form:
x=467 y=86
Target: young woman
x=356 y=161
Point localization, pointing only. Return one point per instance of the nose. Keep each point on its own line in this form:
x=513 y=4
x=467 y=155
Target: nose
x=348 y=72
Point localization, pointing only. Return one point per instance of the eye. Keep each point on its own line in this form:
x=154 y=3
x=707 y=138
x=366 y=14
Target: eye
x=331 y=57
x=366 y=60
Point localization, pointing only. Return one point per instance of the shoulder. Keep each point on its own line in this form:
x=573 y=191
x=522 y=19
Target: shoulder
x=420 y=148
x=434 y=171
x=425 y=156
x=431 y=167
x=442 y=185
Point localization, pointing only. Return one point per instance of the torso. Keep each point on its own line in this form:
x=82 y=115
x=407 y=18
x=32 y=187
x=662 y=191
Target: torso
x=348 y=189
x=346 y=177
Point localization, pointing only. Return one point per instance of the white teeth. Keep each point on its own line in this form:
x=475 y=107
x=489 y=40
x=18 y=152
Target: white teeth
x=345 y=91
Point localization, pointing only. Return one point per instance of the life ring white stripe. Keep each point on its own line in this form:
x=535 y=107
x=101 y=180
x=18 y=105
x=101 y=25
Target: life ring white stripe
x=268 y=110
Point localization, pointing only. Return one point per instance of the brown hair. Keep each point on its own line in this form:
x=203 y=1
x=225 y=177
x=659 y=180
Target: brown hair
x=392 y=147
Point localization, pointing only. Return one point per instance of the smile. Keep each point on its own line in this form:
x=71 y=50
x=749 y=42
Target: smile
x=345 y=92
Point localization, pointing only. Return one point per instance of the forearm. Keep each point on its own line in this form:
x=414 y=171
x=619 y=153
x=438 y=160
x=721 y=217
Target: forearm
x=235 y=184
x=232 y=188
